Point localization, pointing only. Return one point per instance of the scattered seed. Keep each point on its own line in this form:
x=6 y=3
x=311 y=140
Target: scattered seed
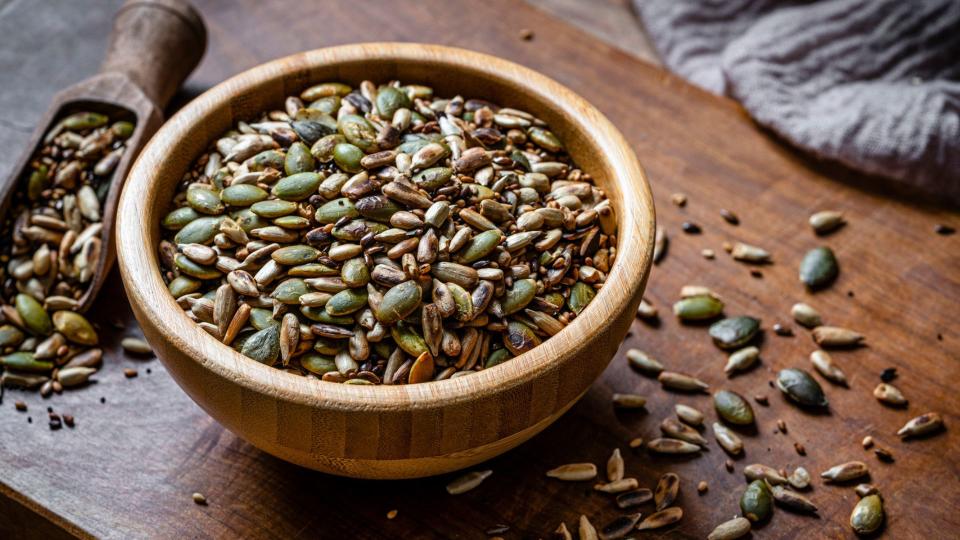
x=805 y=315
x=467 y=482
x=944 y=230
x=526 y=34
x=824 y=364
x=690 y=227
x=731 y=530
x=733 y=408
x=734 y=332
x=662 y=518
x=867 y=515
x=199 y=498
x=20 y=405
x=728 y=464
x=698 y=308
x=845 y=472
x=643 y=362
x=756 y=503
x=391 y=514
x=749 y=254
x=574 y=472
x=835 y=336
x=889 y=394
x=867 y=442
x=672 y=446
x=888 y=374
x=647 y=311
x=782 y=330
x=819 y=268
x=761 y=399
x=562 y=533
x=660 y=244
x=781 y=425
x=667 y=489
x=826 y=221
x=679 y=381
x=729 y=216
x=619 y=527
x=136 y=346
x=799 y=478
x=615 y=466
x=924 y=424
x=679 y=199
x=801 y=388
x=688 y=414
x=129 y=373
x=634 y=498
x=742 y=360
x=884 y=455
x=676 y=430
x=792 y=500
x=629 y=401
x=727 y=439
x=758 y=471
x=863 y=490
x=702 y=487
x=800 y=449
x=586 y=530
x=708 y=254
x=617 y=486
x=636 y=442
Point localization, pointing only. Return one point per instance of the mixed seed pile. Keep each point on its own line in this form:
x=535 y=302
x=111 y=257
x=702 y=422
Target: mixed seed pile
x=386 y=235
x=50 y=246
x=684 y=434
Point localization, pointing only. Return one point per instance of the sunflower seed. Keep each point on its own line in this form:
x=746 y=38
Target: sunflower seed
x=574 y=472
x=688 y=414
x=727 y=439
x=730 y=530
x=643 y=362
x=835 y=336
x=845 y=472
x=826 y=221
x=758 y=471
x=889 y=394
x=615 y=466
x=792 y=500
x=619 y=527
x=750 y=254
x=676 y=430
x=660 y=244
x=864 y=490
x=667 y=489
x=465 y=483
x=924 y=424
x=629 y=401
x=672 y=446
x=742 y=360
x=634 y=498
x=136 y=346
x=679 y=381
x=830 y=371
x=586 y=529
x=617 y=486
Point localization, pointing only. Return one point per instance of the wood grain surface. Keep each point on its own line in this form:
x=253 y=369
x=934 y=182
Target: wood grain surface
x=128 y=468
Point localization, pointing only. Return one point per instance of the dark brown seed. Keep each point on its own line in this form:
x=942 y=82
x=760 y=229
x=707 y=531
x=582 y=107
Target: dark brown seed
x=129 y=373
x=667 y=489
x=619 y=527
x=634 y=498
x=691 y=228
x=729 y=216
x=944 y=230
x=800 y=449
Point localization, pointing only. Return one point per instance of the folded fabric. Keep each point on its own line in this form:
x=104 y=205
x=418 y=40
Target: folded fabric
x=874 y=84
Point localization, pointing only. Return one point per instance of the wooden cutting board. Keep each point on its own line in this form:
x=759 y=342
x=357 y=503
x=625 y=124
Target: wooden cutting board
x=129 y=466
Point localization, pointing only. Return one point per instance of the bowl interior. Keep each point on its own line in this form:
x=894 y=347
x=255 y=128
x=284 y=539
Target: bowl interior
x=594 y=144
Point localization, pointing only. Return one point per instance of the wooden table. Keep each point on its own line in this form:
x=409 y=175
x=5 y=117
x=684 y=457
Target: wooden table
x=129 y=466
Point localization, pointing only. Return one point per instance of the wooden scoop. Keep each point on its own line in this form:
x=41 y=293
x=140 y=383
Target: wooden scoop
x=154 y=45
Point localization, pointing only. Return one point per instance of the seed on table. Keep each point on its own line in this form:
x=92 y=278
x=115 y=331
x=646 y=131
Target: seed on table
x=707 y=253
x=733 y=408
x=730 y=530
x=698 y=308
x=792 y=500
x=574 y=472
x=678 y=199
x=863 y=490
x=727 y=439
x=586 y=530
x=761 y=399
x=782 y=330
x=801 y=388
x=634 y=498
x=924 y=424
x=667 y=489
x=728 y=464
x=635 y=442
x=20 y=405
x=467 y=482
x=688 y=414
x=662 y=518
x=615 y=466
x=136 y=346
x=660 y=244
x=781 y=425
x=646 y=311
x=824 y=364
x=758 y=471
x=130 y=373
x=826 y=221
x=867 y=442
x=617 y=486
x=690 y=227
x=679 y=381
x=734 y=332
x=845 y=471
x=619 y=527
x=702 y=487
x=944 y=230
x=199 y=499
x=888 y=375
x=756 y=503
x=806 y=315
x=889 y=394
x=799 y=449
x=676 y=430
x=643 y=362
x=74 y=376
x=835 y=336
x=562 y=533
x=672 y=446
x=629 y=401
x=799 y=478
x=884 y=455
x=749 y=254
x=34 y=317
x=742 y=360
x=729 y=216
x=867 y=515
x=819 y=268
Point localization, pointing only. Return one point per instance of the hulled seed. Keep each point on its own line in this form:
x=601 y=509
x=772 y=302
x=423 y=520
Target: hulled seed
x=668 y=487
x=730 y=530
x=727 y=439
x=756 y=503
x=467 y=482
x=662 y=518
x=835 y=336
x=574 y=472
x=924 y=424
x=845 y=472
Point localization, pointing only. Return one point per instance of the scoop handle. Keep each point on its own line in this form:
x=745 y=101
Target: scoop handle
x=156 y=43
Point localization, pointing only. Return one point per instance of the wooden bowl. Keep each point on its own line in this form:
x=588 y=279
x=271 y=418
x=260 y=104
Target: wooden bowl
x=400 y=431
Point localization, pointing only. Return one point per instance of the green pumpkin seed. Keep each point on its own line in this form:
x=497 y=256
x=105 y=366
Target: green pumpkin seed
x=179 y=218
x=322 y=150
x=268 y=159
x=335 y=210
x=75 y=327
x=38 y=181
x=463 y=301
x=298 y=160
x=433 y=178
x=182 y=285
x=389 y=99
x=242 y=195
x=262 y=318
x=355 y=272
x=733 y=408
x=519 y=338
x=34 y=316
x=698 y=308
x=248 y=221
x=735 y=332
x=319 y=314
x=292 y=222
x=346 y=302
x=199 y=231
x=519 y=296
x=480 y=246
x=122 y=129
x=85 y=120
x=377 y=207
x=264 y=345
x=756 y=503
x=399 y=302
x=294 y=255
x=328 y=105
x=273 y=208
x=190 y=268
x=800 y=387
x=408 y=340
x=347 y=156
x=867 y=515
x=581 y=294
x=204 y=201
x=297 y=187
x=10 y=336
x=358 y=132
x=545 y=139
x=25 y=361
x=290 y=291
x=496 y=357
x=819 y=268
x=317 y=363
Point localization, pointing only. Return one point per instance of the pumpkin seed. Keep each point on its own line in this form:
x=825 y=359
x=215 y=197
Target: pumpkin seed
x=295 y=255
x=481 y=245
x=924 y=424
x=467 y=482
x=698 y=308
x=264 y=345
x=204 y=201
x=643 y=362
x=519 y=296
x=742 y=360
x=727 y=439
x=10 y=336
x=25 y=361
x=273 y=208
x=792 y=500
x=662 y=518
x=399 y=302
x=580 y=295
x=806 y=315
x=826 y=221
x=730 y=530
x=733 y=408
x=845 y=472
x=199 y=271
x=75 y=327
x=734 y=332
x=819 y=268
x=830 y=371
x=347 y=157
x=346 y=302
x=299 y=186
x=867 y=516
x=34 y=317
x=574 y=472
x=756 y=502
x=800 y=387
x=199 y=231
x=242 y=195
x=835 y=336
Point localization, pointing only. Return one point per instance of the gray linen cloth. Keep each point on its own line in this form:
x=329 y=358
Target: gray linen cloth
x=874 y=84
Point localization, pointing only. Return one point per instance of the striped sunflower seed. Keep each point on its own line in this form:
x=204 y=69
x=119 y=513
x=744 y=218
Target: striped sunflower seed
x=574 y=472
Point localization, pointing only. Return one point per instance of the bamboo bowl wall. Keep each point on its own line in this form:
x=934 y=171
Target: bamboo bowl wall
x=386 y=431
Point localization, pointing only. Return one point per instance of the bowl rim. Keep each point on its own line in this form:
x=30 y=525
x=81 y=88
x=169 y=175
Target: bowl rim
x=139 y=264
